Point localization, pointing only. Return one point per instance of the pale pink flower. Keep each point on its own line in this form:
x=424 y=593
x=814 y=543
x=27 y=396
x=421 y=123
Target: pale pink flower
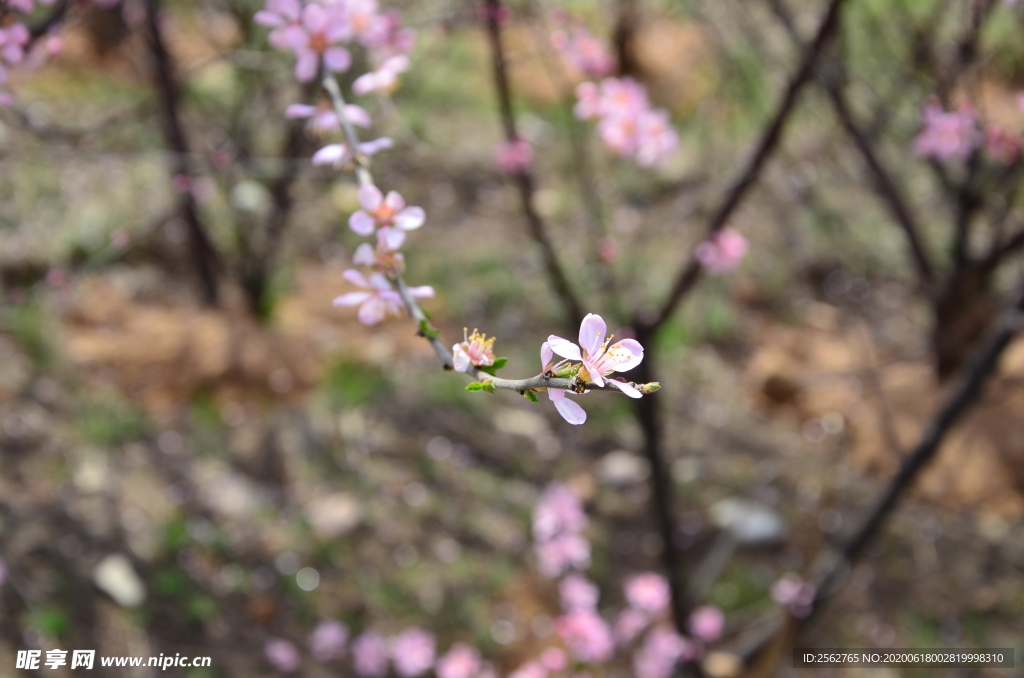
x=370 y=655
x=13 y=39
x=793 y=592
x=656 y=139
x=412 y=652
x=707 y=623
x=323 y=119
x=553 y=659
x=328 y=640
x=361 y=15
x=648 y=592
x=460 y=661
x=384 y=79
x=314 y=40
x=598 y=358
x=629 y=623
x=474 y=351
x=23 y=6
x=558 y=511
x=583 y=51
x=513 y=157
x=54 y=45
x=662 y=649
x=339 y=155
x=283 y=655
x=587 y=635
x=578 y=593
x=564 y=552
x=380 y=300
x=588 y=101
x=722 y=252
x=381 y=211
x=278 y=15
x=947 y=135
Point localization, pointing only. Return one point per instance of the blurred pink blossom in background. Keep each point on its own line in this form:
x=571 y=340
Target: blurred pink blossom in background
x=283 y=655
x=722 y=252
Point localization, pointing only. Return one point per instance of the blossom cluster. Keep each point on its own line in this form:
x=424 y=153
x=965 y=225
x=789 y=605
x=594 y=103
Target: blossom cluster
x=411 y=653
x=626 y=121
x=956 y=134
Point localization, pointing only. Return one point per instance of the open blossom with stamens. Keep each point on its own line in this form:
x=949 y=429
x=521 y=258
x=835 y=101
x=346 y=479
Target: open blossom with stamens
x=722 y=252
x=626 y=121
x=339 y=155
x=475 y=351
x=384 y=212
x=598 y=358
x=384 y=79
x=323 y=119
x=947 y=135
x=379 y=300
x=314 y=39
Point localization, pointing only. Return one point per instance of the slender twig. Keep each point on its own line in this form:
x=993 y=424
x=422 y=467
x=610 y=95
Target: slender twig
x=770 y=139
x=204 y=254
x=540 y=382
x=524 y=179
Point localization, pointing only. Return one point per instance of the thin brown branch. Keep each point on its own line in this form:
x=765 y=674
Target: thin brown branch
x=524 y=179
x=204 y=255
x=769 y=141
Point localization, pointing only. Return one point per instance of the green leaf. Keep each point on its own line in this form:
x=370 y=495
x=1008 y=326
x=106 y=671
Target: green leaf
x=492 y=369
x=426 y=330
x=489 y=386
x=531 y=396
x=475 y=386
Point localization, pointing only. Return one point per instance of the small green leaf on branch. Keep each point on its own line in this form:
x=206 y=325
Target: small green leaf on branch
x=531 y=396
x=481 y=386
x=427 y=330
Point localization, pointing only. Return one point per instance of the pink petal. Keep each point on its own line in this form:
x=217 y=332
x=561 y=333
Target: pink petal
x=365 y=83
x=361 y=222
x=545 y=355
x=410 y=218
x=299 y=111
x=379 y=144
x=595 y=373
x=391 y=238
x=396 y=64
x=592 y=331
x=305 y=65
x=364 y=255
x=332 y=154
x=358 y=115
x=314 y=18
x=380 y=281
x=295 y=38
x=352 y=298
x=422 y=291
x=265 y=18
x=460 y=358
x=637 y=351
x=570 y=411
x=394 y=201
x=337 y=59
x=564 y=348
x=373 y=311
x=370 y=197
x=626 y=388
x=356 y=278
x=338 y=28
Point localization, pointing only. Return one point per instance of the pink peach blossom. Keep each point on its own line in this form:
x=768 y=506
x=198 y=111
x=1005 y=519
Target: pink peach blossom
x=947 y=135
x=474 y=351
x=328 y=640
x=370 y=655
x=648 y=592
x=706 y=623
x=578 y=593
x=587 y=635
x=283 y=655
x=384 y=79
x=323 y=119
x=384 y=212
x=278 y=15
x=412 y=652
x=314 y=40
x=598 y=358
x=460 y=661
x=339 y=155
x=513 y=157
x=380 y=300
